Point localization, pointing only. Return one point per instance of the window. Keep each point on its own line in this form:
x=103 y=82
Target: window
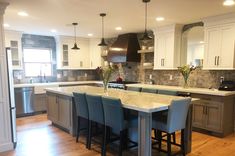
x=37 y=62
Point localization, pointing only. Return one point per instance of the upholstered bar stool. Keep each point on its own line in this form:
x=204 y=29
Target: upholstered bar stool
x=96 y=114
x=168 y=92
x=81 y=112
x=175 y=121
x=114 y=119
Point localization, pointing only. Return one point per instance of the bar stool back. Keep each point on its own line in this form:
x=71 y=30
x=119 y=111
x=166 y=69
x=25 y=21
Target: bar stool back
x=81 y=111
x=96 y=114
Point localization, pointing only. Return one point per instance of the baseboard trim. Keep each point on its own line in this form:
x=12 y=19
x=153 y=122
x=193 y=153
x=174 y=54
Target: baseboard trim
x=6 y=147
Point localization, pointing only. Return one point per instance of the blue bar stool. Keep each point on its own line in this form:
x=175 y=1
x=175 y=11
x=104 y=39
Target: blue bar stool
x=175 y=121
x=114 y=119
x=96 y=114
x=81 y=112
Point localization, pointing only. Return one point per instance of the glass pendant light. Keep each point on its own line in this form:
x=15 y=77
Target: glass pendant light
x=75 y=47
x=146 y=36
x=102 y=43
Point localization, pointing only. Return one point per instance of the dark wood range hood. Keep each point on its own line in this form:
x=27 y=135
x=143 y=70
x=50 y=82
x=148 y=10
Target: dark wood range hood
x=125 y=49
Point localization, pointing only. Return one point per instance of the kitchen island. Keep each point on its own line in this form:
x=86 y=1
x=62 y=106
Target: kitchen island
x=61 y=111
x=213 y=114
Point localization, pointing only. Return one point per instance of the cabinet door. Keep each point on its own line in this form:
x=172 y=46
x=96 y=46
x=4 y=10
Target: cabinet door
x=52 y=108
x=198 y=115
x=13 y=40
x=168 y=62
x=214 y=117
x=160 y=51
x=226 y=58
x=64 y=112
x=39 y=102
x=95 y=53
x=212 y=47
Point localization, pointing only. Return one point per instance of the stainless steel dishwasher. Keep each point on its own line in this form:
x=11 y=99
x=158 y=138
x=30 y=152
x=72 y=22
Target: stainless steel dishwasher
x=24 y=101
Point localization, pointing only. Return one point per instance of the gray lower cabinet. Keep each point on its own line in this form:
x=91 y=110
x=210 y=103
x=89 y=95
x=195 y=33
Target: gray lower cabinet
x=213 y=113
x=59 y=110
x=39 y=103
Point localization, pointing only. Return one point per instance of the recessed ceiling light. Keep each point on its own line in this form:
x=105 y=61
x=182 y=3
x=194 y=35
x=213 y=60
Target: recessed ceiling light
x=6 y=25
x=160 y=18
x=53 y=30
x=228 y=2
x=23 y=13
x=90 y=34
x=201 y=42
x=118 y=28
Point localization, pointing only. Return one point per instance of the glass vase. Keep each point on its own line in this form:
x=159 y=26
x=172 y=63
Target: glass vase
x=185 y=82
x=105 y=88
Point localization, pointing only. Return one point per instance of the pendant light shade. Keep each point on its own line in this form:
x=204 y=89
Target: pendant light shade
x=102 y=43
x=75 y=47
x=146 y=36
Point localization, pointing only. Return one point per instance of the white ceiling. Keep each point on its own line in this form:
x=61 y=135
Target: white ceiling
x=45 y=15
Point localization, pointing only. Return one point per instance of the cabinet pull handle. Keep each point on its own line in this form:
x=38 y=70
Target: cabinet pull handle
x=162 y=62
x=217 y=60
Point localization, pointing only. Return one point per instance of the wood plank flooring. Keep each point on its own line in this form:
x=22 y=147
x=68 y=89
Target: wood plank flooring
x=37 y=137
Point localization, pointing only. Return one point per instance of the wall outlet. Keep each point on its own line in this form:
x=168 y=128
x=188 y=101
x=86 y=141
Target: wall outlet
x=171 y=77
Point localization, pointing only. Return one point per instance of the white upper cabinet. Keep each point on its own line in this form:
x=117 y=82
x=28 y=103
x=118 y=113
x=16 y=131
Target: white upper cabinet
x=13 y=40
x=220 y=42
x=167 y=47
x=72 y=59
x=95 y=53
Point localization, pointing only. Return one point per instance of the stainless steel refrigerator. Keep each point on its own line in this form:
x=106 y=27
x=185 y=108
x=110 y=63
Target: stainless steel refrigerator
x=11 y=96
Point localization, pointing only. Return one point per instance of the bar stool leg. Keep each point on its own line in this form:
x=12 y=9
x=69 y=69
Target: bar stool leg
x=174 y=140
x=182 y=142
x=159 y=137
x=121 y=143
x=104 y=137
x=78 y=128
x=90 y=134
x=168 y=144
x=87 y=136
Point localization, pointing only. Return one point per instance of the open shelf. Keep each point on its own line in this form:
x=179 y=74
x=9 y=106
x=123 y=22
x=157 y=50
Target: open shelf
x=146 y=51
x=147 y=67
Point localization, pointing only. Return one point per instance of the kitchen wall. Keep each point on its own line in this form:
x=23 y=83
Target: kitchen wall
x=200 y=78
x=38 y=41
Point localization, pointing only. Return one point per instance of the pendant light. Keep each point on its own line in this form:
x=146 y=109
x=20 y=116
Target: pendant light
x=75 y=47
x=102 y=43
x=146 y=36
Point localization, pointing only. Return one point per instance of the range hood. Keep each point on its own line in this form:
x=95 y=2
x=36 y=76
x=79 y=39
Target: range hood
x=124 y=49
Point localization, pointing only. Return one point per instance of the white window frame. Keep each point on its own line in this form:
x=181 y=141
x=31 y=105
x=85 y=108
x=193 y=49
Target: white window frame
x=35 y=62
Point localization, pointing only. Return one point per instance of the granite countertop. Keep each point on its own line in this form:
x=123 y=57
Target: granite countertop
x=54 y=83
x=190 y=90
x=39 y=88
x=139 y=101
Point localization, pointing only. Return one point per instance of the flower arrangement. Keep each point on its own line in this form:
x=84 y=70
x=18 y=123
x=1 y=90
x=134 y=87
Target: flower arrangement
x=105 y=74
x=185 y=70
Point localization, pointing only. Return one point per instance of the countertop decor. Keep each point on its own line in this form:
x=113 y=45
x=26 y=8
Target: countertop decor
x=105 y=74
x=185 y=70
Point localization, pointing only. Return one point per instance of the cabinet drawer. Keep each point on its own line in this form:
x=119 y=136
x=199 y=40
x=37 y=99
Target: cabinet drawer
x=208 y=97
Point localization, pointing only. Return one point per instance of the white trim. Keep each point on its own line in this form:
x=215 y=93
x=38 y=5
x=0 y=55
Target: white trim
x=6 y=147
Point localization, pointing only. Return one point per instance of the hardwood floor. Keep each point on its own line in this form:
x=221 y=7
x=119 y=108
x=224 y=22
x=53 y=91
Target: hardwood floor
x=37 y=137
